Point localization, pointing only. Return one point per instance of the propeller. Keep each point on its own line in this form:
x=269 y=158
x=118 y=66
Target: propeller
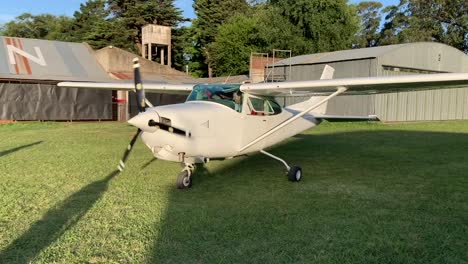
x=140 y=92
x=121 y=166
x=142 y=105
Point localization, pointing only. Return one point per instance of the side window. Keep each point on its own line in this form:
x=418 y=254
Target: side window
x=259 y=106
x=276 y=107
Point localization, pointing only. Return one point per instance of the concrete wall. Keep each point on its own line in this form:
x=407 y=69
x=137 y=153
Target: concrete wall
x=117 y=60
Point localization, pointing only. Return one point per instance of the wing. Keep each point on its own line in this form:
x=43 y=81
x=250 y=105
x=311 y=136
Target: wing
x=126 y=86
x=334 y=118
x=360 y=85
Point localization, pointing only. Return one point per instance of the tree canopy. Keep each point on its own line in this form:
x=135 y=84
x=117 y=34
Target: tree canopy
x=369 y=27
x=210 y=16
x=259 y=31
x=132 y=15
x=225 y=32
x=45 y=26
x=444 y=21
x=328 y=25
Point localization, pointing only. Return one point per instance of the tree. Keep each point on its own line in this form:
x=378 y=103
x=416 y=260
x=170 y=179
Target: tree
x=186 y=53
x=329 y=25
x=261 y=30
x=400 y=26
x=210 y=15
x=132 y=15
x=443 y=21
x=44 y=26
x=369 y=33
x=92 y=25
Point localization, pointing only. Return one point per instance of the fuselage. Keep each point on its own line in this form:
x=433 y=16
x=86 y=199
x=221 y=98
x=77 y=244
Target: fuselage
x=201 y=129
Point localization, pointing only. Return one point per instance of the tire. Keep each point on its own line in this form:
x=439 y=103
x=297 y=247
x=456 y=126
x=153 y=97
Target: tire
x=183 y=180
x=295 y=174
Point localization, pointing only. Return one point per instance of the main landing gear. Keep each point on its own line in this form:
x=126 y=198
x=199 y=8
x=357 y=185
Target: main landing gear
x=294 y=172
x=184 y=180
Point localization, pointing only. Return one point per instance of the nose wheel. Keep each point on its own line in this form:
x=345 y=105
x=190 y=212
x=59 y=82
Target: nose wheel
x=184 y=180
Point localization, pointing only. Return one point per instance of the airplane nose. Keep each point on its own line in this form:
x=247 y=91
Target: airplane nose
x=144 y=119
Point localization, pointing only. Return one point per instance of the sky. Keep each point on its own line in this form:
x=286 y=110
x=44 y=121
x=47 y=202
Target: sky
x=10 y=9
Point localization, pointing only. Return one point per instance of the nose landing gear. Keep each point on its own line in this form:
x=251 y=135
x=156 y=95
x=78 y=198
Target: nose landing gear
x=184 y=180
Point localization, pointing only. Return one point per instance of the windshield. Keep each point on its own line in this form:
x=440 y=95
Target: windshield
x=225 y=94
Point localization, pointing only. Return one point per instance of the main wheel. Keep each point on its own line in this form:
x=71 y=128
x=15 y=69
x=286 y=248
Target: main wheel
x=183 y=180
x=295 y=174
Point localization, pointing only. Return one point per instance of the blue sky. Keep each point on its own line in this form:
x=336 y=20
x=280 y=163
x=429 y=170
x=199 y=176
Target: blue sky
x=10 y=9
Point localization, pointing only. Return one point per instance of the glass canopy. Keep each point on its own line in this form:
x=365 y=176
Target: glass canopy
x=225 y=94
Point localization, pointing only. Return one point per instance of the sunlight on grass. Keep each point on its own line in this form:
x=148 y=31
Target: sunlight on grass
x=371 y=193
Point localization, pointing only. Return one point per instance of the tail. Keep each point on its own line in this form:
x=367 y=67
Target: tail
x=327 y=74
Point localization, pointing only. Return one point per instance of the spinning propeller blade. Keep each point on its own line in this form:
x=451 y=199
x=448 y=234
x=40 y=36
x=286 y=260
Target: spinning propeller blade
x=140 y=92
x=141 y=103
x=121 y=166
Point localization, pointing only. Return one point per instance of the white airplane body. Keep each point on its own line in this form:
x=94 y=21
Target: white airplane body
x=207 y=135
x=222 y=121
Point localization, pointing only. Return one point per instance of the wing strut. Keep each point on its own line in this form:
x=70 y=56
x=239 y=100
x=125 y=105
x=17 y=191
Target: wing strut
x=294 y=118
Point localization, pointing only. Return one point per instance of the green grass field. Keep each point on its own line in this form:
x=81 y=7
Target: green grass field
x=371 y=193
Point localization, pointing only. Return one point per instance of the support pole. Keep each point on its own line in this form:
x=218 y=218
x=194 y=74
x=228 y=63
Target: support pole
x=169 y=56
x=150 y=55
x=162 y=56
x=276 y=158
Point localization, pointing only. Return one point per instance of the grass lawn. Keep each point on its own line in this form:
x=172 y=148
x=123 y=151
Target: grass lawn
x=371 y=193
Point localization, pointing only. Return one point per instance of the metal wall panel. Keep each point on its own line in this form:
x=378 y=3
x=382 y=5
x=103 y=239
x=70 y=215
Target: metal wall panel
x=49 y=102
x=431 y=105
x=343 y=69
x=460 y=103
x=429 y=56
x=465 y=104
x=399 y=60
x=411 y=106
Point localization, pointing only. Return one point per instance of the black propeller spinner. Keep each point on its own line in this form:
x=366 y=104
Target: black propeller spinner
x=141 y=103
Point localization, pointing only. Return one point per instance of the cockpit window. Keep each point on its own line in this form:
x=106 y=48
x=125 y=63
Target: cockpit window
x=225 y=94
x=263 y=106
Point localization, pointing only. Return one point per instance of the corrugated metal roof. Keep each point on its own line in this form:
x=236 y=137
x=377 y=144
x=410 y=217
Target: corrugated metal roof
x=342 y=55
x=155 y=78
x=33 y=59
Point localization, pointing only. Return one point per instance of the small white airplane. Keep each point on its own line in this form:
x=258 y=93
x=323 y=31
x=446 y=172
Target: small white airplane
x=222 y=121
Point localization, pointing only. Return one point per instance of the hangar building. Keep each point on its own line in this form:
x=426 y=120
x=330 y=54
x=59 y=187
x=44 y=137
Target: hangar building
x=30 y=70
x=392 y=60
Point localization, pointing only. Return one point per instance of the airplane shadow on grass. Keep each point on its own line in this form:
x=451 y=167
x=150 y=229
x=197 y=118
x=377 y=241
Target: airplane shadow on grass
x=360 y=192
x=9 y=151
x=55 y=222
